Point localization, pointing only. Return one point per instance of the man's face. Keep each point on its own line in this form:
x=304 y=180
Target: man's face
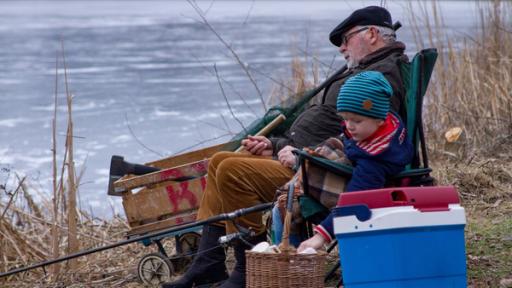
x=356 y=46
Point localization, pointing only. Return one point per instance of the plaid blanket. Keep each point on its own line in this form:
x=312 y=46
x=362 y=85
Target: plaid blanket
x=323 y=186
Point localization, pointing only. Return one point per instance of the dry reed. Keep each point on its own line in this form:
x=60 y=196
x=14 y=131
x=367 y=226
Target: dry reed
x=32 y=232
x=298 y=82
x=26 y=239
x=471 y=85
x=471 y=89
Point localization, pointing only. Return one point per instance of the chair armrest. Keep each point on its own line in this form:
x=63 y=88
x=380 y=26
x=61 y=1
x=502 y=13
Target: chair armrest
x=331 y=166
x=413 y=172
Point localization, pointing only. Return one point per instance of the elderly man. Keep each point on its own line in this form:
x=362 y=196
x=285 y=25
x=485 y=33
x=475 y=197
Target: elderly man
x=238 y=180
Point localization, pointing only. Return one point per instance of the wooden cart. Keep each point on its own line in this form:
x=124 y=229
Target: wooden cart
x=166 y=198
x=170 y=197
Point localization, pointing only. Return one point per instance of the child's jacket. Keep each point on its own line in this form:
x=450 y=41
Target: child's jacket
x=385 y=153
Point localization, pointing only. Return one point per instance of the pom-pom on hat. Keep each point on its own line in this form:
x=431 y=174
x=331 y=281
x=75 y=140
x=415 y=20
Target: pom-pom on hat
x=367 y=94
x=371 y=15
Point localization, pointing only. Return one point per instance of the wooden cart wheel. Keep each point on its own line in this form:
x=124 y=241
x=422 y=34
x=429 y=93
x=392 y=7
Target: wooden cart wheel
x=186 y=246
x=154 y=269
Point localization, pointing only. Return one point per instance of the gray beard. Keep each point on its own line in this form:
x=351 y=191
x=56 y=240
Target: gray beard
x=351 y=63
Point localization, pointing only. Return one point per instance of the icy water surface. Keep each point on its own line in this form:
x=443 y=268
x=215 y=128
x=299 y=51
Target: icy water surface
x=142 y=77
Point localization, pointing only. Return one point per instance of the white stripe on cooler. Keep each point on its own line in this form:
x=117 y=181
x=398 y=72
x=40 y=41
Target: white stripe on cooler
x=400 y=217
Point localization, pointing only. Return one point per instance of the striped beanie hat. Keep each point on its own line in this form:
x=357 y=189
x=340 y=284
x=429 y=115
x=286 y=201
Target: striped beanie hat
x=367 y=94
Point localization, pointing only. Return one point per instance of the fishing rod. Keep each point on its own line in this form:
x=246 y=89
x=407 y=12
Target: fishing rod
x=217 y=218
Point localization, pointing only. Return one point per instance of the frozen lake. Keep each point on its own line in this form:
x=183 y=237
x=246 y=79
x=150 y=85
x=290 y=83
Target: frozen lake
x=142 y=72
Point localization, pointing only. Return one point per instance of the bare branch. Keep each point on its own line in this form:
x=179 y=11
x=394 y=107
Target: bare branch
x=225 y=123
x=127 y=123
x=20 y=183
x=227 y=129
x=276 y=81
x=248 y=13
x=201 y=143
x=235 y=55
x=209 y=7
x=329 y=66
x=226 y=99
x=207 y=69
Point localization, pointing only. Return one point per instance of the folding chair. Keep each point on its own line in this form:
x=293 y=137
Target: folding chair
x=416 y=76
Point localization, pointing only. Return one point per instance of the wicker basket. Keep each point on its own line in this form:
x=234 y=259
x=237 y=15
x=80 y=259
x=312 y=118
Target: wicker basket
x=285 y=269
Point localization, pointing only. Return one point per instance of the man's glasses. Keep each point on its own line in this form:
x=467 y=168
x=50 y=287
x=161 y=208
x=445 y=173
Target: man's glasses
x=345 y=38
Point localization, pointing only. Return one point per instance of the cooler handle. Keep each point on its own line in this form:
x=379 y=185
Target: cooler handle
x=361 y=211
x=399 y=197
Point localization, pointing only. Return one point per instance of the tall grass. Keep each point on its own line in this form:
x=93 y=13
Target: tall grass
x=290 y=90
x=471 y=87
x=33 y=232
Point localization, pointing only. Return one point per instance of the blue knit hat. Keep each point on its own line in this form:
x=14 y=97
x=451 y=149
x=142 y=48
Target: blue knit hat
x=367 y=94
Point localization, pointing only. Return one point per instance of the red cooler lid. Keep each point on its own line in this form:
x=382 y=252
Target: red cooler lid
x=433 y=198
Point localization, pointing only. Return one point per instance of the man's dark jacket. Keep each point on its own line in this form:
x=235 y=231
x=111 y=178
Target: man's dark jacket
x=320 y=121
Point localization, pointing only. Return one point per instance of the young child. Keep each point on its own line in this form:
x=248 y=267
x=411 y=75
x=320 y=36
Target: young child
x=374 y=140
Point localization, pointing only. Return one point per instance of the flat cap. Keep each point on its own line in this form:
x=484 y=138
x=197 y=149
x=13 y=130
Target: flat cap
x=371 y=15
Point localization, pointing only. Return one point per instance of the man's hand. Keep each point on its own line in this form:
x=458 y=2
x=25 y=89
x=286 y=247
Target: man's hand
x=286 y=157
x=316 y=242
x=258 y=145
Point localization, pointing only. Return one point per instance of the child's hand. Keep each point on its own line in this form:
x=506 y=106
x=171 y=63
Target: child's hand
x=332 y=149
x=281 y=200
x=310 y=151
x=322 y=151
x=316 y=242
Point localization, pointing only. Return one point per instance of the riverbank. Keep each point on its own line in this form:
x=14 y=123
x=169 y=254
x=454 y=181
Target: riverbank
x=484 y=185
x=470 y=90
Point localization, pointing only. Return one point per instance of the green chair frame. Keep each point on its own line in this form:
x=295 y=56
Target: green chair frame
x=416 y=76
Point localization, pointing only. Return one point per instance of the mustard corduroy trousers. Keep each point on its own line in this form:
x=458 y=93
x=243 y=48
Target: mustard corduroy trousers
x=241 y=180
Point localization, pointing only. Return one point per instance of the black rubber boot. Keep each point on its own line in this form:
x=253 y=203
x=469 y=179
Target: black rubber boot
x=209 y=264
x=237 y=277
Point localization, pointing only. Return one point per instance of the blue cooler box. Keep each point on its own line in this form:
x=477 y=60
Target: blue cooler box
x=401 y=237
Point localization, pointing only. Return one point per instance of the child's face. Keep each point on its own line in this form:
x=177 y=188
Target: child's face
x=361 y=127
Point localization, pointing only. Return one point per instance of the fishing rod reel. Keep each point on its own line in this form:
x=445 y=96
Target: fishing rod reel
x=242 y=235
